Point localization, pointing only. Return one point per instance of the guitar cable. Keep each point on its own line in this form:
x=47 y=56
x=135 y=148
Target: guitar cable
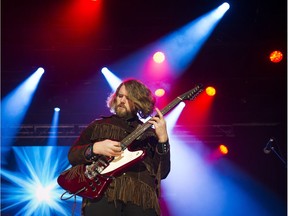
x=74 y=206
x=79 y=191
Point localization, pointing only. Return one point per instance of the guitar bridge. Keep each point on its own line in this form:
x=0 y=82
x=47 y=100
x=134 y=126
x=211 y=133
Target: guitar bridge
x=97 y=167
x=93 y=170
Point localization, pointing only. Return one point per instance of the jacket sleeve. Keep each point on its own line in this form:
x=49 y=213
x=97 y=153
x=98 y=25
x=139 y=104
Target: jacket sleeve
x=76 y=154
x=163 y=153
x=159 y=155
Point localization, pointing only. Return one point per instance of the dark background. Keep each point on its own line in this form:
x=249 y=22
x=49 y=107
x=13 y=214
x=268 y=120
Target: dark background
x=251 y=91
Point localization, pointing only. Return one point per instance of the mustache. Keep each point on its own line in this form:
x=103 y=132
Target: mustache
x=121 y=105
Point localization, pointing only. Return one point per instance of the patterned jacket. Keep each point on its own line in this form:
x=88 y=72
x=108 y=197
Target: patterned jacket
x=139 y=183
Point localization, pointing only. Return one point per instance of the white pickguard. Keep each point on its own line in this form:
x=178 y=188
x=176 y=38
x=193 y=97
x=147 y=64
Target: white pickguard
x=120 y=161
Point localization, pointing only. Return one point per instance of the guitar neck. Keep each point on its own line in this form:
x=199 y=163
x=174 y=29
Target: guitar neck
x=141 y=129
x=189 y=95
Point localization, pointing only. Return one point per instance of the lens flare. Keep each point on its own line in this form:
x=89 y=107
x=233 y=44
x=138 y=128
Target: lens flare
x=32 y=188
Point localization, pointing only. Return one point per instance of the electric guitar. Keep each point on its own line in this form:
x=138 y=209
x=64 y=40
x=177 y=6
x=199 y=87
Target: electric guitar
x=90 y=181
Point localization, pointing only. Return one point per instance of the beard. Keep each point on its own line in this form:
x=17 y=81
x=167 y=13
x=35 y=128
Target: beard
x=122 y=111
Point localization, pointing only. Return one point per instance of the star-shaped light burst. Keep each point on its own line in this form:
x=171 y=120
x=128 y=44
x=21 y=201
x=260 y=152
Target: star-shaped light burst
x=31 y=188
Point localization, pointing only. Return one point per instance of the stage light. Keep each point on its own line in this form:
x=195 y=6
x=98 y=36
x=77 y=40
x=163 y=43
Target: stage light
x=43 y=194
x=160 y=92
x=85 y=16
x=31 y=188
x=112 y=80
x=210 y=91
x=40 y=70
x=223 y=149
x=52 y=141
x=276 y=56
x=159 y=57
x=224 y=7
x=221 y=10
x=217 y=152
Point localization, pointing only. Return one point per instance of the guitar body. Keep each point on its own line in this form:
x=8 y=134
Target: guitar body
x=77 y=180
x=83 y=186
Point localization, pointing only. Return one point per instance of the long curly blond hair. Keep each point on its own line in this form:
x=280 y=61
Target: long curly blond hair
x=141 y=96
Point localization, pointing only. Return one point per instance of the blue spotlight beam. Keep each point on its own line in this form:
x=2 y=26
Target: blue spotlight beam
x=182 y=46
x=52 y=141
x=16 y=104
x=173 y=116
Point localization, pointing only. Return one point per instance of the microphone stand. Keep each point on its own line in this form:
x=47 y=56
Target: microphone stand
x=279 y=156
